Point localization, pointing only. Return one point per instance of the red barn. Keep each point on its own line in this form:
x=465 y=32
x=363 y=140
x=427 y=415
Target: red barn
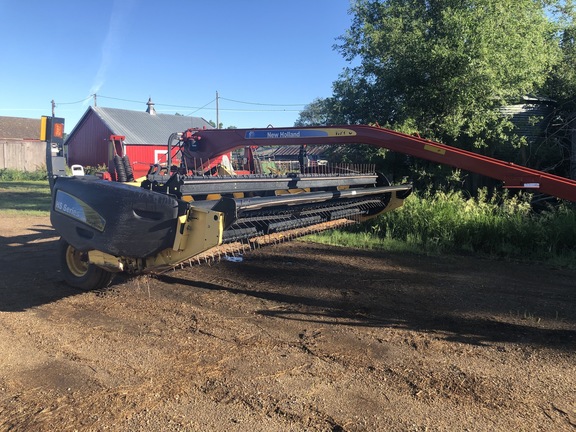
x=146 y=136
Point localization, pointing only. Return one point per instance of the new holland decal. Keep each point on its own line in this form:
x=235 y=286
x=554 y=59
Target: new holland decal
x=298 y=133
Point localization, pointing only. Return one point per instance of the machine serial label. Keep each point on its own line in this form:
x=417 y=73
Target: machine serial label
x=298 y=133
x=77 y=209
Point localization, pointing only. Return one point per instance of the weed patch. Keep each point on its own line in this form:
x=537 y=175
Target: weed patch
x=499 y=225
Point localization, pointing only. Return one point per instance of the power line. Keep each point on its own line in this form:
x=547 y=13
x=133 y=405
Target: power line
x=121 y=99
x=74 y=103
x=280 y=107
x=22 y=109
x=258 y=103
x=196 y=108
x=255 y=110
x=202 y=107
x=157 y=104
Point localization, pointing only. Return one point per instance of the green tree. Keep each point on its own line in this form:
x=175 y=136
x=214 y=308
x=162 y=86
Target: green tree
x=561 y=82
x=442 y=68
x=561 y=86
x=221 y=125
x=319 y=112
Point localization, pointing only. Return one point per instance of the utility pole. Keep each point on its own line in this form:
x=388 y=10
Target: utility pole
x=95 y=102
x=53 y=106
x=217 y=112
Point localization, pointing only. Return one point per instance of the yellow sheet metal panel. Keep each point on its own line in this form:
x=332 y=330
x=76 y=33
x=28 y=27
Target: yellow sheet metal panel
x=43 y=128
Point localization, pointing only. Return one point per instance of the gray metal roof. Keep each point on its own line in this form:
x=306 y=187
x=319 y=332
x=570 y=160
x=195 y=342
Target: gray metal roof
x=140 y=127
x=19 y=128
x=530 y=118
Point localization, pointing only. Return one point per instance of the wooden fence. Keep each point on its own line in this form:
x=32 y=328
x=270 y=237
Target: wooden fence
x=22 y=155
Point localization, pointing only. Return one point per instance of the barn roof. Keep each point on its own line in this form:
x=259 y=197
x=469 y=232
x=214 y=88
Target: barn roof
x=530 y=116
x=19 y=128
x=140 y=127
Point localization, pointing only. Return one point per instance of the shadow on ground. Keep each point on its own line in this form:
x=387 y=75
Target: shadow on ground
x=459 y=298
x=30 y=270
x=463 y=300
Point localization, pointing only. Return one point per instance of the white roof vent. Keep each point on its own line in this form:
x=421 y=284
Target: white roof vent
x=150 y=110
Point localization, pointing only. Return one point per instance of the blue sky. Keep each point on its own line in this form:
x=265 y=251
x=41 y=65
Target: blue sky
x=178 y=52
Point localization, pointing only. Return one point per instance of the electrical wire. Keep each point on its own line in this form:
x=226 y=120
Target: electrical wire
x=156 y=104
x=202 y=107
x=74 y=103
x=249 y=110
x=205 y=106
x=257 y=103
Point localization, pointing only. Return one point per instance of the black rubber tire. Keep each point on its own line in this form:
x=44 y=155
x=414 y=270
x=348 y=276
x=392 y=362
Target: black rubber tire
x=80 y=274
x=128 y=168
x=120 y=170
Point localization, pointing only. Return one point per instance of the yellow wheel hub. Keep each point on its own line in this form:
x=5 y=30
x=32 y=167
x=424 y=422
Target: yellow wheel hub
x=76 y=262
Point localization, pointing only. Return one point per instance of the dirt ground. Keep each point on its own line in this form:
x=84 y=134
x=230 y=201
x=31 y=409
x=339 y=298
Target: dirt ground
x=296 y=337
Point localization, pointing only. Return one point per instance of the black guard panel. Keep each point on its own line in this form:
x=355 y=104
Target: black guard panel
x=115 y=218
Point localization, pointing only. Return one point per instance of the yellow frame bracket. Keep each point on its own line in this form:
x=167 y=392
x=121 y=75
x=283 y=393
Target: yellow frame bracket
x=196 y=232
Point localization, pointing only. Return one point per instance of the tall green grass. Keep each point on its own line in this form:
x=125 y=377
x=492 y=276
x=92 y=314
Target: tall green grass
x=8 y=175
x=449 y=222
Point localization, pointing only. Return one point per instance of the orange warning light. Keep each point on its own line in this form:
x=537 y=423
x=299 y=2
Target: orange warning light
x=58 y=130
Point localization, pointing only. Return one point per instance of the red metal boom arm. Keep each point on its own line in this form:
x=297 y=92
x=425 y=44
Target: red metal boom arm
x=214 y=142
